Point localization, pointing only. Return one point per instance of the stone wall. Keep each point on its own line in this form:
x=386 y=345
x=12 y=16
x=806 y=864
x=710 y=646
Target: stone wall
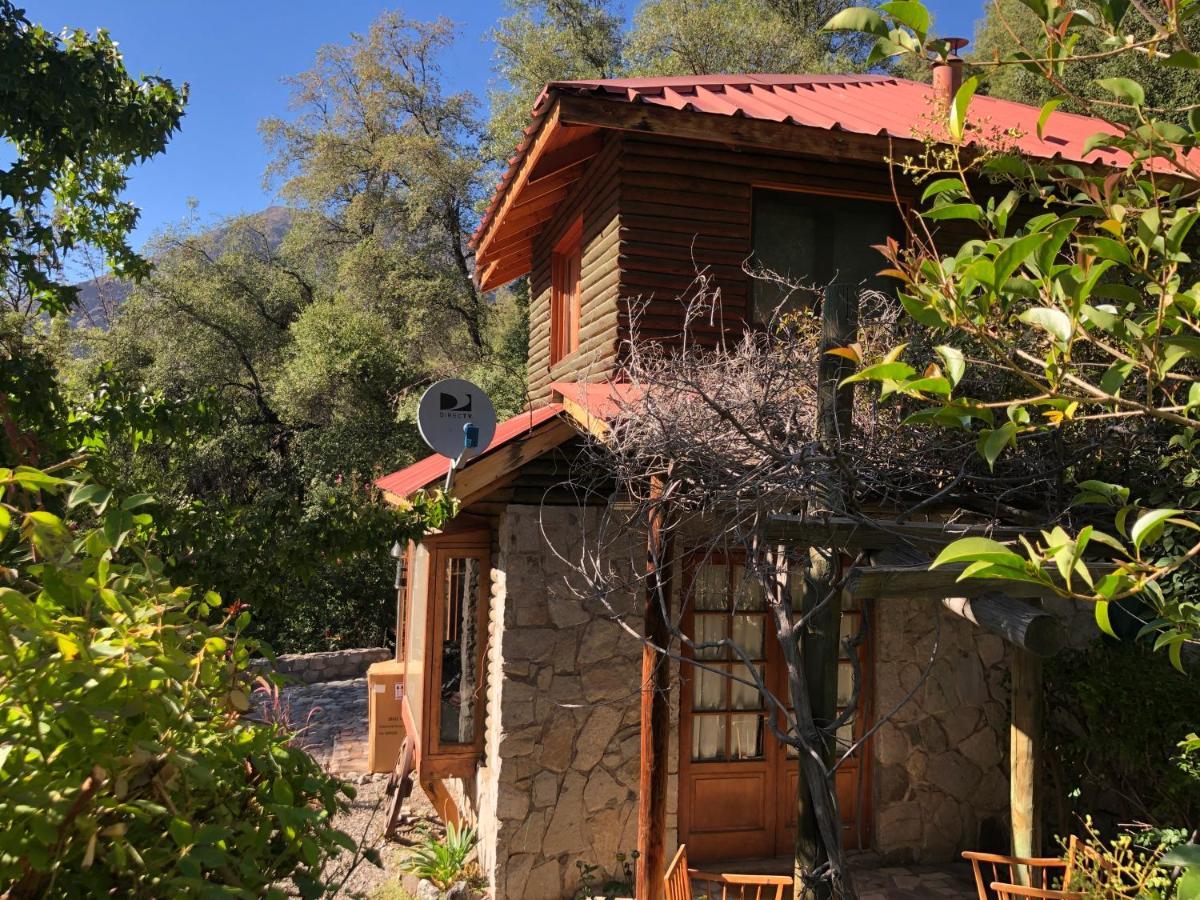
x=562 y=756
x=333 y=665
x=941 y=764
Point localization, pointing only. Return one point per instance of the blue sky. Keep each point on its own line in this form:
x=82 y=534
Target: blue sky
x=235 y=56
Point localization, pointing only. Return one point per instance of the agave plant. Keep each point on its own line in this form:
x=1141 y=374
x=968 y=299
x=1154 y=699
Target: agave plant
x=443 y=862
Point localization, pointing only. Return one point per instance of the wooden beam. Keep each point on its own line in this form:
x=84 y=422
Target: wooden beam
x=546 y=130
x=1025 y=745
x=1029 y=629
x=780 y=137
x=655 y=714
x=480 y=475
x=855 y=534
x=900 y=582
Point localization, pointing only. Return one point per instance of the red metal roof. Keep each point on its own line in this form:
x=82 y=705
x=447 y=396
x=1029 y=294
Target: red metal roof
x=862 y=104
x=434 y=468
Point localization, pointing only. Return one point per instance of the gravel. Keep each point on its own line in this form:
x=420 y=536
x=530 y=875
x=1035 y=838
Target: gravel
x=364 y=822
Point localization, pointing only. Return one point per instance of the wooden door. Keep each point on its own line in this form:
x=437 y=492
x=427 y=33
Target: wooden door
x=737 y=783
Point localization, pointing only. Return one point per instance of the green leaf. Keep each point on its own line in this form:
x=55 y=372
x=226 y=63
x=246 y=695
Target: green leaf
x=1102 y=620
x=943 y=186
x=1149 y=525
x=1124 y=89
x=954 y=211
x=956 y=366
x=1054 y=321
x=859 y=18
x=1188 y=885
x=1047 y=108
x=992 y=443
x=1187 y=855
x=894 y=371
x=1105 y=248
x=976 y=549
x=1097 y=140
x=932 y=385
x=909 y=13
x=281 y=792
x=136 y=500
x=958 y=109
x=1182 y=59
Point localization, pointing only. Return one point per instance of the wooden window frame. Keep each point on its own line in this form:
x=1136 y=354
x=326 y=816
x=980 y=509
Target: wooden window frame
x=439 y=759
x=566 y=289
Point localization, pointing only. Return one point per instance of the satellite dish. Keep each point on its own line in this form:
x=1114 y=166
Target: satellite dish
x=456 y=419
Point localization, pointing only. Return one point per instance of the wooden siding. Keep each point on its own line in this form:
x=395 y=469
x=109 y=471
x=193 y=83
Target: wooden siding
x=655 y=211
x=694 y=211
x=596 y=197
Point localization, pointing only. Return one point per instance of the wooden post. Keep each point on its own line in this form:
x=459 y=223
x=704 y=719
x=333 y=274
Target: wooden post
x=655 y=716
x=1025 y=742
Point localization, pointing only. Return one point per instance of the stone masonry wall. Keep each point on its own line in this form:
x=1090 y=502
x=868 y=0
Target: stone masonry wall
x=941 y=763
x=562 y=756
x=333 y=665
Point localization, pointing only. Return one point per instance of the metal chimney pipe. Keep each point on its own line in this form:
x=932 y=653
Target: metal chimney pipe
x=948 y=72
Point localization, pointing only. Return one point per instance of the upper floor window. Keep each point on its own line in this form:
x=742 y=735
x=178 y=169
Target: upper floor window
x=566 y=264
x=814 y=241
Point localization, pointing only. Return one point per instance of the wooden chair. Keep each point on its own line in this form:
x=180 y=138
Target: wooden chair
x=721 y=886
x=1004 y=881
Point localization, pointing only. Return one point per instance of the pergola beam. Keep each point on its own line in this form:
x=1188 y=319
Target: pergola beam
x=845 y=533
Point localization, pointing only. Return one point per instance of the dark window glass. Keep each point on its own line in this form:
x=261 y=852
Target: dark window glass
x=817 y=241
x=460 y=651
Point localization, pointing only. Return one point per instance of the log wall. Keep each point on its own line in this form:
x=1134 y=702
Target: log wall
x=655 y=211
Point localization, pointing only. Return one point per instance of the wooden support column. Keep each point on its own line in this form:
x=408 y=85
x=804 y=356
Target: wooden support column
x=655 y=716
x=1025 y=745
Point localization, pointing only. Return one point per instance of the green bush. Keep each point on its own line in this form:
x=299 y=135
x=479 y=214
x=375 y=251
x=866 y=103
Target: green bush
x=1118 y=719
x=126 y=764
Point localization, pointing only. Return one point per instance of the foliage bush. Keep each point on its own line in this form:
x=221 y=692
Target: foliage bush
x=444 y=861
x=128 y=766
x=1118 y=715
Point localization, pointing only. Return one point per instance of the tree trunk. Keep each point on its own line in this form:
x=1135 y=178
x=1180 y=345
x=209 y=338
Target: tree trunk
x=819 y=645
x=817 y=803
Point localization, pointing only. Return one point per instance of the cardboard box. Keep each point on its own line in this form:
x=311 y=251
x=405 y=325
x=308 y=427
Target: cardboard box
x=385 y=726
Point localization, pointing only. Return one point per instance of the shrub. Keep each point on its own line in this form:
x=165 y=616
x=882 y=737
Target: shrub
x=127 y=766
x=1117 y=719
x=443 y=862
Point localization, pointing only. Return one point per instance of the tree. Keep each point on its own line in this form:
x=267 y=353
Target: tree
x=1009 y=27
x=1087 y=310
x=391 y=164
x=75 y=121
x=707 y=37
x=542 y=41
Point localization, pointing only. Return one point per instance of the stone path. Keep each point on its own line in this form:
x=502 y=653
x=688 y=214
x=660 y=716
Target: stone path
x=332 y=720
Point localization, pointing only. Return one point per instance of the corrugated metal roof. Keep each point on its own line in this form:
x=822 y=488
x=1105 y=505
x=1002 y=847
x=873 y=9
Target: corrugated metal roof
x=862 y=104
x=433 y=468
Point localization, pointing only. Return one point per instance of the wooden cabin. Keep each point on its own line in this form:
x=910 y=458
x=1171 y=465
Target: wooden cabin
x=523 y=703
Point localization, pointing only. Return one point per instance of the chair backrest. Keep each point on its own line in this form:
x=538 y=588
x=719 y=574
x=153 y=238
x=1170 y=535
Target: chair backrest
x=677 y=882
x=1036 y=872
